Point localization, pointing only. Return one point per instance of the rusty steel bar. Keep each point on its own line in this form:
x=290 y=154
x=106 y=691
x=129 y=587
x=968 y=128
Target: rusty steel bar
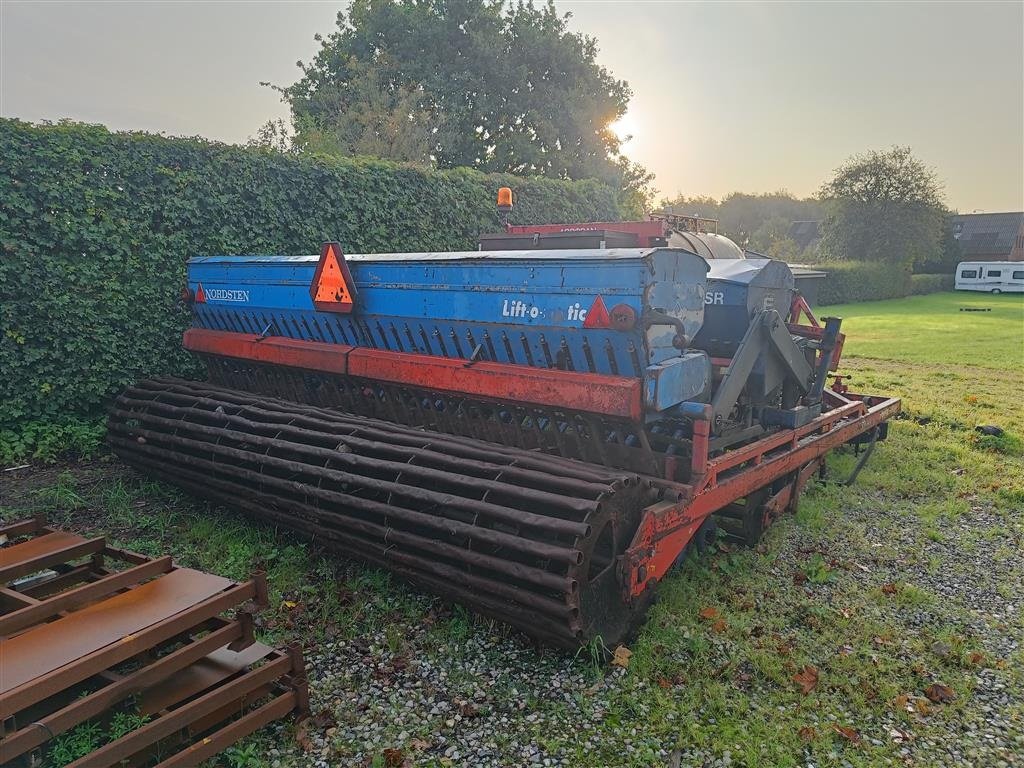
x=382 y=451
x=44 y=551
x=39 y=732
x=23 y=527
x=410 y=493
x=39 y=688
x=479 y=533
x=176 y=720
x=41 y=611
x=220 y=740
x=386 y=431
x=510 y=538
x=470 y=446
x=250 y=432
x=75 y=575
x=233 y=494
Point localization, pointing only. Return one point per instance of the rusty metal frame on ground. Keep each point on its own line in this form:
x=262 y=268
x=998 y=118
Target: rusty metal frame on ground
x=82 y=640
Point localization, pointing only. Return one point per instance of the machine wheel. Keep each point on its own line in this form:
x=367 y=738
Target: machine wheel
x=706 y=536
x=531 y=540
x=996 y=290
x=745 y=521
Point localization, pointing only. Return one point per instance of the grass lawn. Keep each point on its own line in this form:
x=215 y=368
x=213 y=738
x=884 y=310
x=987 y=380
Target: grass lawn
x=822 y=647
x=933 y=329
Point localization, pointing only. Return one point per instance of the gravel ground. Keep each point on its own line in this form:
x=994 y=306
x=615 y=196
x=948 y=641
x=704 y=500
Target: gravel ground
x=489 y=699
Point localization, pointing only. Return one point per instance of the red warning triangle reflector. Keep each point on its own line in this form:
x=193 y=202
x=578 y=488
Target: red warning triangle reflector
x=597 y=315
x=332 y=289
x=200 y=295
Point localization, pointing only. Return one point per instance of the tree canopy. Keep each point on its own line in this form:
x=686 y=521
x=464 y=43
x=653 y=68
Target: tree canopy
x=464 y=83
x=758 y=222
x=883 y=206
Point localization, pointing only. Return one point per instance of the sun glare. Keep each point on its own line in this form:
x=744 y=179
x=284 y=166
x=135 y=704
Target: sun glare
x=624 y=127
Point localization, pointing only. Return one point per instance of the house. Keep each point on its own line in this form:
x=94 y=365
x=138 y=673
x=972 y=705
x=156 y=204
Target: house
x=989 y=236
x=805 y=233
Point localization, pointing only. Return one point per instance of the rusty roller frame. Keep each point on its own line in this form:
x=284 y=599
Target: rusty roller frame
x=526 y=539
x=80 y=640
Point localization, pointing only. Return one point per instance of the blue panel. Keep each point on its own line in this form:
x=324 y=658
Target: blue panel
x=671 y=382
x=526 y=311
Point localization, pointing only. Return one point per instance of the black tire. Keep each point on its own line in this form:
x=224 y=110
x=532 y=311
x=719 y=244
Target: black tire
x=996 y=290
x=707 y=536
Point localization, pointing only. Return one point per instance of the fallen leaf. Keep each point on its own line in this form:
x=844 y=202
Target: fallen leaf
x=664 y=684
x=468 y=709
x=939 y=693
x=621 y=657
x=799 y=578
x=922 y=707
x=785 y=648
x=901 y=701
x=288 y=604
x=302 y=736
x=393 y=758
x=420 y=744
x=719 y=626
x=847 y=733
x=889 y=589
x=709 y=613
x=975 y=659
x=807 y=733
x=806 y=678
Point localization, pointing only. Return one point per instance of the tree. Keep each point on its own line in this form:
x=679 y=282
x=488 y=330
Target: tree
x=885 y=207
x=742 y=215
x=759 y=222
x=465 y=83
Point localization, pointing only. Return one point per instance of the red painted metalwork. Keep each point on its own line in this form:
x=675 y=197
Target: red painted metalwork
x=798 y=307
x=314 y=356
x=589 y=392
x=813 y=329
x=647 y=232
x=667 y=527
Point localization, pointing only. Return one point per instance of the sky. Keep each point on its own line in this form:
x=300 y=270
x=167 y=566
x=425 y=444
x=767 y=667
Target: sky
x=752 y=97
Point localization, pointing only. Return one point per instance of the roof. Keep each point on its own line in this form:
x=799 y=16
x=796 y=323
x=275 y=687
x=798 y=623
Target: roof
x=803 y=233
x=986 y=233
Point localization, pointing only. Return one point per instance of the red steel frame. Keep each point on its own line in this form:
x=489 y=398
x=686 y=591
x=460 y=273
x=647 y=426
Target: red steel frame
x=667 y=527
x=592 y=392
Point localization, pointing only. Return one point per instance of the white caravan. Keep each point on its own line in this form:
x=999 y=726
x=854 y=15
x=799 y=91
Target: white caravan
x=990 y=276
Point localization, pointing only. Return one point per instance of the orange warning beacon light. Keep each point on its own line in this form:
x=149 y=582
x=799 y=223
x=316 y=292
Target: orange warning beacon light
x=504 y=204
x=333 y=289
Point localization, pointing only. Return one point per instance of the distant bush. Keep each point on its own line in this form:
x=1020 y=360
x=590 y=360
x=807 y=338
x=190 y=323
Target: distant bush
x=96 y=227
x=922 y=284
x=848 y=282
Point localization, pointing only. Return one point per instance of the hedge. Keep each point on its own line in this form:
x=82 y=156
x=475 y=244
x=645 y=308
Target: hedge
x=95 y=229
x=848 y=282
x=852 y=281
x=922 y=284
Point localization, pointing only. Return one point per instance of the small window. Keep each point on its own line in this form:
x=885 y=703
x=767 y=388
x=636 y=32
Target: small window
x=994 y=273
x=969 y=273
x=1018 y=274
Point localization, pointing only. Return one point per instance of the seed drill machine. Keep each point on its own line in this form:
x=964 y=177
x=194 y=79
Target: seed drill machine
x=540 y=433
